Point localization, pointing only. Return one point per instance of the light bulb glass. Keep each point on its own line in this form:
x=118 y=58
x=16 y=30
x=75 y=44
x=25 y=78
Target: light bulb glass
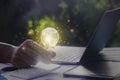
x=49 y=37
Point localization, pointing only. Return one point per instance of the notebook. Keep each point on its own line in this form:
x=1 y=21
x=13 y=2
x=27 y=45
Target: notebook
x=36 y=71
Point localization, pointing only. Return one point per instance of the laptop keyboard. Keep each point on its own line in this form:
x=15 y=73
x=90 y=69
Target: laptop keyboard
x=111 y=54
x=68 y=54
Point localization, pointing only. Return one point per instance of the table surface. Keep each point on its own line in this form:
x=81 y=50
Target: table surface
x=54 y=75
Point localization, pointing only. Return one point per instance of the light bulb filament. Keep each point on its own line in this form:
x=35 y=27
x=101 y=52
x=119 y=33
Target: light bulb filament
x=49 y=37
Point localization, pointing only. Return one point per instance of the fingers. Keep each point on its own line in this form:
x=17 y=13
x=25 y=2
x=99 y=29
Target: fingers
x=24 y=57
x=22 y=61
x=19 y=63
x=52 y=54
x=39 y=50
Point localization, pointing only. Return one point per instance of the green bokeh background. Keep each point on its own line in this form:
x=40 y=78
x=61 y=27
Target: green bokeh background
x=75 y=20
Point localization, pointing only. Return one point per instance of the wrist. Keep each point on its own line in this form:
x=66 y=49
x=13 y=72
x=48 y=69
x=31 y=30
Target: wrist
x=10 y=54
x=6 y=52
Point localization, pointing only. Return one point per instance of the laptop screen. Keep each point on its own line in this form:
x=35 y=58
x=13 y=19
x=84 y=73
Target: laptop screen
x=114 y=40
x=101 y=35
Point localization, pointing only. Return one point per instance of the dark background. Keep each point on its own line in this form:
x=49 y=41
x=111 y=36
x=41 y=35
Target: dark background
x=75 y=20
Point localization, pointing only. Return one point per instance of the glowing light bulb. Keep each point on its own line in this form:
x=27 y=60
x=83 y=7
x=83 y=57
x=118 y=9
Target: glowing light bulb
x=49 y=37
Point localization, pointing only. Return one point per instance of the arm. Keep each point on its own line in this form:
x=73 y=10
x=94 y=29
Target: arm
x=25 y=55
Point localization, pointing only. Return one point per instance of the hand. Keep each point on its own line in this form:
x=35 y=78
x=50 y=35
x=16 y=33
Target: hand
x=29 y=53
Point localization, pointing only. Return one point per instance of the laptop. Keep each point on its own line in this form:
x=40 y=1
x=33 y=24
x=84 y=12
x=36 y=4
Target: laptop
x=78 y=55
x=90 y=66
